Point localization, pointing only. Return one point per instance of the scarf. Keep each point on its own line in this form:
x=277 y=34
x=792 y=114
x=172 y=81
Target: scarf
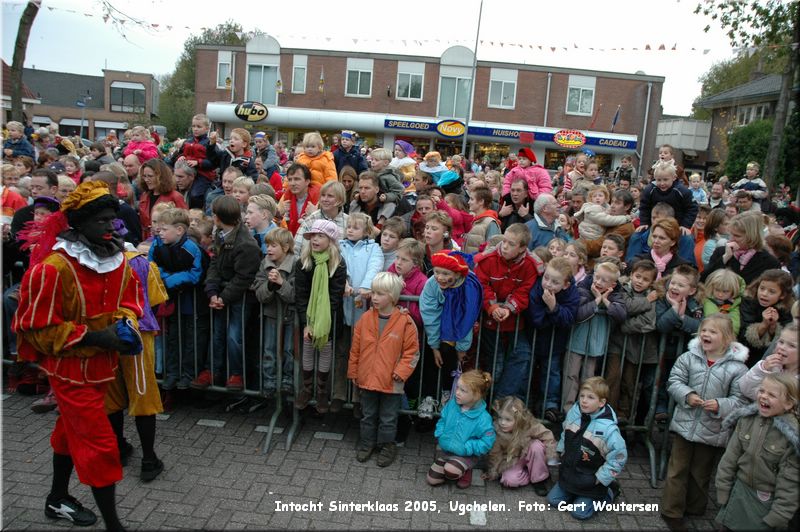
x=661 y=262
x=462 y=308
x=318 y=313
x=744 y=256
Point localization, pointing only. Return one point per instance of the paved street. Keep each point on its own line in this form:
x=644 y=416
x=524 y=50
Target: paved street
x=217 y=477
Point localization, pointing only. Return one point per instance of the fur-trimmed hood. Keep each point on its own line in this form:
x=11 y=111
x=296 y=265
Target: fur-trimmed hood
x=736 y=351
x=787 y=424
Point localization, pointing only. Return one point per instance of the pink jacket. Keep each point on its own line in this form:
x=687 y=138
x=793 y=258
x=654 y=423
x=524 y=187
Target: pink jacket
x=415 y=282
x=148 y=148
x=462 y=221
x=537 y=177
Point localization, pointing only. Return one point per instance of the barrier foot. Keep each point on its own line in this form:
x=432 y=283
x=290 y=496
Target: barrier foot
x=651 y=452
x=272 y=422
x=293 y=428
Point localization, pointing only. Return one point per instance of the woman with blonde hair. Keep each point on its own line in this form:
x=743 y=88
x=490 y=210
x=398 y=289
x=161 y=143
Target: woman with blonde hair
x=744 y=253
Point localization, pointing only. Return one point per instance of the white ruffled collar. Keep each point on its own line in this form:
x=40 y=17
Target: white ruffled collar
x=86 y=257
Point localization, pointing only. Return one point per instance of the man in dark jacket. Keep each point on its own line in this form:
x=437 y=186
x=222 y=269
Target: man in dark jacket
x=348 y=154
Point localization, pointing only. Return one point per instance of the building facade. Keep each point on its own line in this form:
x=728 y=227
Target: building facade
x=425 y=100
x=92 y=104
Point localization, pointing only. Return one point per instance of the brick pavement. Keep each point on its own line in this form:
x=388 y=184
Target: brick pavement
x=218 y=478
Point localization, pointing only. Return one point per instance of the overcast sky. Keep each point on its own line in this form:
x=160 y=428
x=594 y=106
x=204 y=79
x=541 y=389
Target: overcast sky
x=75 y=42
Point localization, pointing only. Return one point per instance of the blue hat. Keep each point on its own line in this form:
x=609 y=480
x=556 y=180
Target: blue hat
x=260 y=135
x=347 y=134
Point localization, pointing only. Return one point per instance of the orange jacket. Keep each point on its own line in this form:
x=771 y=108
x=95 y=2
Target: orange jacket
x=374 y=359
x=322 y=167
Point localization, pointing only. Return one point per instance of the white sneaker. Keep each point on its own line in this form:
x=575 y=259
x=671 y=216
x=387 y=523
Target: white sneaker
x=427 y=407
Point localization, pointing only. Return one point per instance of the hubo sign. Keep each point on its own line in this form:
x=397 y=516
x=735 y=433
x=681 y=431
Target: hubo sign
x=451 y=128
x=250 y=111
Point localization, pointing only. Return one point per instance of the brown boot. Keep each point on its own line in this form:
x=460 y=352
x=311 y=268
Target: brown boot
x=322 y=392
x=302 y=399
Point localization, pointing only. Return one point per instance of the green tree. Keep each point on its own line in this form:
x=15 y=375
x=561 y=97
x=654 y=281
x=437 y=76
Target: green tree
x=736 y=71
x=176 y=105
x=766 y=24
x=745 y=144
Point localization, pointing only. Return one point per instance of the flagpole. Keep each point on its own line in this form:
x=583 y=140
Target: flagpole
x=596 y=114
x=472 y=84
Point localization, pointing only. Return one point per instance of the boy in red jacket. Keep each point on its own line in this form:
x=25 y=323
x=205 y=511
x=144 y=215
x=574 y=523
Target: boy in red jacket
x=383 y=355
x=507 y=275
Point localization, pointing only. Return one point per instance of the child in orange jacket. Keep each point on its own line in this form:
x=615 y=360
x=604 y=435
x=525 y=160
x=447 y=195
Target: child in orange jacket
x=320 y=162
x=383 y=355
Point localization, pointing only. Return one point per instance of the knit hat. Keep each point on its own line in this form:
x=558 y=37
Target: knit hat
x=528 y=154
x=260 y=135
x=455 y=261
x=348 y=134
x=325 y=227
x=407 y=148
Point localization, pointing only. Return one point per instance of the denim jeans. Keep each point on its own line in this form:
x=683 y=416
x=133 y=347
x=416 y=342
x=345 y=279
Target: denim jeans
x=379 y=417
x=9 y=308
x=180 y=357
x=550 y=375
x=269 y=368
x=511 y=361
x=583 y=507
x=228 y=337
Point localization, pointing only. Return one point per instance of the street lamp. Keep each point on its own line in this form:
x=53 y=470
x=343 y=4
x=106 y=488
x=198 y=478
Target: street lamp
x=472 y=84
x=82 y=104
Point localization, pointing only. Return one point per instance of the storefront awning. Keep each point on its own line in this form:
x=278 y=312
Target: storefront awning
x=106 y=124
x=73 y=122
x=690 y=153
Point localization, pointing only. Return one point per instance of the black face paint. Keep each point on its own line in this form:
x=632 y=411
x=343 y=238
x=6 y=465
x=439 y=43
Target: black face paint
x=98 y=229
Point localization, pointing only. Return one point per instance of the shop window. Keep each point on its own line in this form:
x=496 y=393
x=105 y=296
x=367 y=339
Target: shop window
x=359 y=78
x=580 y=95
x=454 y=96
x=261 y=83
x=502 y=88
x=127 y=100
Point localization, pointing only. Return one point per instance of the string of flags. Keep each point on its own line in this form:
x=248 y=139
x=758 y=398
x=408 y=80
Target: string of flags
x=106 y=18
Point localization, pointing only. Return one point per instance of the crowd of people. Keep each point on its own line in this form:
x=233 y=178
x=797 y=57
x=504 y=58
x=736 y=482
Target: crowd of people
x=328 y=240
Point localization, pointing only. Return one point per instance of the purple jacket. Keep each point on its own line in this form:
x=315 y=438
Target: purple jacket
x=148 y=322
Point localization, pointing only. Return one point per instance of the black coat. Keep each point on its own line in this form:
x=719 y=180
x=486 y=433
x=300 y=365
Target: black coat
x=302 y=290
x=234 y=265
x=760 y=262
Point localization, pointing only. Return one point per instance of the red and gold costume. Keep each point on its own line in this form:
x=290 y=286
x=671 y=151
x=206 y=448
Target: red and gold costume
x=60 y=301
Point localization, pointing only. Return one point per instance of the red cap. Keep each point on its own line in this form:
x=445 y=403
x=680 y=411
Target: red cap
x=528 y=154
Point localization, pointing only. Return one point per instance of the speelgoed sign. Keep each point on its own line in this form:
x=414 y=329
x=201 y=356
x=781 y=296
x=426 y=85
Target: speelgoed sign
x=250 y=111
x=569 y=138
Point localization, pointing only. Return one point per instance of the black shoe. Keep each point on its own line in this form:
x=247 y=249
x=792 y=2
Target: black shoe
x=125 y=452
x=70 y=509
x=387 y=455
x=151 y=469
x=363 y=453
x=615 y=489
x=541 y=488
x=552 y=415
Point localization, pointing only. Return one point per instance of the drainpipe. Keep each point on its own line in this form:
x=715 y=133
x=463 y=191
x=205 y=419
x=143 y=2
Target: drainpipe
x=547 y=98
x=644 y=129
x=233 y=76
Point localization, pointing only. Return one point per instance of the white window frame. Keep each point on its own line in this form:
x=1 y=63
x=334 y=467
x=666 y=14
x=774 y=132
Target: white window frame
x=359 y=66
x=224 y=57
x=586 y=84
x=300 y=63
x=455 y=97
x=504 y=77
x=261 y=92
x=410 y=69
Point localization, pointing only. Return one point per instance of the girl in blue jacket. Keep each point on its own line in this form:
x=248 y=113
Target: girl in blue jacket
x=464 y=432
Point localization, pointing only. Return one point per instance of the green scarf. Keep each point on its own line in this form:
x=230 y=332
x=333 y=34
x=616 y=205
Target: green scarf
x=318 y=312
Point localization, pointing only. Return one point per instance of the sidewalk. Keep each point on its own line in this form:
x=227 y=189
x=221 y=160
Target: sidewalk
x=216 y=477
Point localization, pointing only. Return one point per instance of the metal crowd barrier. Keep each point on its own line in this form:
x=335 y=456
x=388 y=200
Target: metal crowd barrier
x=417 y=395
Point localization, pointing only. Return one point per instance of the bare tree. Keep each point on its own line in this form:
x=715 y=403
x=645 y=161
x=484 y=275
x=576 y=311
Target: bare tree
x=20 y=47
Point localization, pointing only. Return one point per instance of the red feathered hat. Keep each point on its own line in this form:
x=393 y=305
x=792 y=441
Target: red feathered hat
x=452 y=261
